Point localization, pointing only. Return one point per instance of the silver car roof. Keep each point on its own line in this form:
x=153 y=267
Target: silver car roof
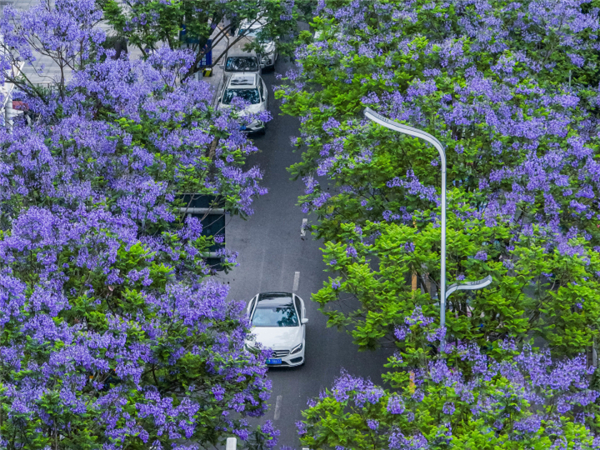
x=243 y=80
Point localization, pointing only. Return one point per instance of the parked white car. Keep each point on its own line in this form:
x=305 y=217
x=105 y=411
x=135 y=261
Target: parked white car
x=252 y=88
x=250 y=29
x=279 y=322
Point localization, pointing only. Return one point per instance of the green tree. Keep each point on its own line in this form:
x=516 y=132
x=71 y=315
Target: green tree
x=535 y=292
x=510 y=91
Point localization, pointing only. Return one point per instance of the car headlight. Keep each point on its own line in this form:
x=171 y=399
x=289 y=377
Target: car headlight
x=296 y=349
x=250 y=347
x=256 y=124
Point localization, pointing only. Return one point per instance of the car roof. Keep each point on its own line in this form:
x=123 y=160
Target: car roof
x=243 y=80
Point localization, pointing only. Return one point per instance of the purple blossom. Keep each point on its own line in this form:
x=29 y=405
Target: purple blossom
x=401 y=332
x=448 y=408
x=301 y=428
x=373 y=424
x=395 y=405
x=481 y=255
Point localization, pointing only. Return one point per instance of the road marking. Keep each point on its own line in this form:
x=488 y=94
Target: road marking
x=278 y=407
x=296 y=281
x=303 y=228
x=262 y=265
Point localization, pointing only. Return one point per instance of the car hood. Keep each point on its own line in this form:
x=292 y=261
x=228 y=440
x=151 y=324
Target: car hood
x=251 y=109
x=246 y=23
x=278 y=338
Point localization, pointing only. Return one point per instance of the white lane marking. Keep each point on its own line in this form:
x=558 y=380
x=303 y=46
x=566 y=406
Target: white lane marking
x=262 y=265
x=296 y=281
x=303 y=228
x=278 y=407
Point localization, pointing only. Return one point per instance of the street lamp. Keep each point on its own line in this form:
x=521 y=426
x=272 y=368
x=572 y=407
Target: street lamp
x=468 y=285
x=405 y=129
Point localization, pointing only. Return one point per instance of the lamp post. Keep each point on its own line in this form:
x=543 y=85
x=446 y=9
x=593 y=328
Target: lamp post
x=467 y=285
x=405 y=129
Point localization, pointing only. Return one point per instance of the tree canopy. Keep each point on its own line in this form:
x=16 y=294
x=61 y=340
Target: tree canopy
x=511 y=91
x=113 y=334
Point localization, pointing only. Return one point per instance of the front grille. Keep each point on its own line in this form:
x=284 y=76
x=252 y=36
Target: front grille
x=280 y=353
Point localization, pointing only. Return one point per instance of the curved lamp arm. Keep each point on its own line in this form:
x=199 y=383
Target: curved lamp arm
x=469 y=285
x=411 y=131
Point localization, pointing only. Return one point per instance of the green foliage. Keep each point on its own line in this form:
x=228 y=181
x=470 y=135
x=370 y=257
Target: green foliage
x=439 y=67
x=535 y=292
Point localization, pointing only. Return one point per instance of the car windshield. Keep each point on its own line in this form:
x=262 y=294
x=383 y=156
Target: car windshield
x=249 y=32
x=241 y=64
x=275 y=316
x=250 y=95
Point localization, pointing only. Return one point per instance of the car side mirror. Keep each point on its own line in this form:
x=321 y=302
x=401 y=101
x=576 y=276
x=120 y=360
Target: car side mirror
x=304 y=320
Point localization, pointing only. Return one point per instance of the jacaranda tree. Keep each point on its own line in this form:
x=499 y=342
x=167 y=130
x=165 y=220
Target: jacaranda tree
x=462 y=399
x=511 y=91
x=112 y=333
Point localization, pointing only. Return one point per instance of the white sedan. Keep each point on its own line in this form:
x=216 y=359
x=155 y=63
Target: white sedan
x=279 y=322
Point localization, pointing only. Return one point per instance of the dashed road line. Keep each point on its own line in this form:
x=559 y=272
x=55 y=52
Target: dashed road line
x=278 y=407
x=303 y=228
x=296 y=281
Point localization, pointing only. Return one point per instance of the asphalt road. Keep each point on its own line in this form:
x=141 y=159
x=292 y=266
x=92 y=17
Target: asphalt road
x=271 y=254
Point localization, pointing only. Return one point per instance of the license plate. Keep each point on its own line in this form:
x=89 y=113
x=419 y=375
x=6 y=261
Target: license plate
x=274 y=361
x=243 y=127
